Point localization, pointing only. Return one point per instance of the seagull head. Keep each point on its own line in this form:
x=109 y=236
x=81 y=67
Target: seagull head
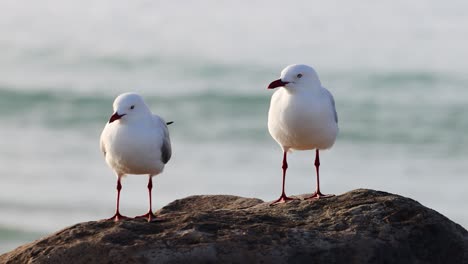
x=296 y=76
x=129 y=106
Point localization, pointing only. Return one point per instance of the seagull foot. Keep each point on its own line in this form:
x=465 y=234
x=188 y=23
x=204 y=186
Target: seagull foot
x=118 y=217
x=149 y=216
x=283 y=199
x=319 y=195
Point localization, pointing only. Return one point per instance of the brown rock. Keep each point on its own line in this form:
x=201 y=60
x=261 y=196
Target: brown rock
x=361 y=226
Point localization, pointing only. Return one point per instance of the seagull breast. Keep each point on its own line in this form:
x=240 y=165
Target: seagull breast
x=302 y=121
x=135 y=148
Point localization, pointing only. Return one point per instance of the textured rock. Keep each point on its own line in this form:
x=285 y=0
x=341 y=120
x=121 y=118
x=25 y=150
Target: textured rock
x=361 y=226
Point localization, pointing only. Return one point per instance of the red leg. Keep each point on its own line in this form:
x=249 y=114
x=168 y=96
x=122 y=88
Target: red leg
x=117 y=216
x=318 y=194
x=283 y=198
x=149 y=215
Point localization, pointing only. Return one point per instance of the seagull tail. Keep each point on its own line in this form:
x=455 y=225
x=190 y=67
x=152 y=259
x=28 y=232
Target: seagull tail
x=168 y=123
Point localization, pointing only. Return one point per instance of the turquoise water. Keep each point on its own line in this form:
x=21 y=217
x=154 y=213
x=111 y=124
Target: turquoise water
x=398 y=72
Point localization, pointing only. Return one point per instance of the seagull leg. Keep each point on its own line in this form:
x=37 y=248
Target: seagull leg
x=283 y=198
x=149 y=215
x=318 y=194
x=117 y=216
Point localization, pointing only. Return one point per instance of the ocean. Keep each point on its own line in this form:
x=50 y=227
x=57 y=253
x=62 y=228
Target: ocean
x=397 y=69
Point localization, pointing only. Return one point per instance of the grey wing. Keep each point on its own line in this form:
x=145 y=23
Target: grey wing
x=103 y=148
x=166 y=149
x=333 y=104
x=101 y=143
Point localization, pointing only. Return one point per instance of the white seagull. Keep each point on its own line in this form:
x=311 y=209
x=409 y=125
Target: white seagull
x=135 y=141
x=302 y=116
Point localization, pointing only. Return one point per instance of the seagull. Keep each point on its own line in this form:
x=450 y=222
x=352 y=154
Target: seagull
x=135 y=141
x=302 y=116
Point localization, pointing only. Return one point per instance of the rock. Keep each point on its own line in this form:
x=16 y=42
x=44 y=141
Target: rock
x=361 y=226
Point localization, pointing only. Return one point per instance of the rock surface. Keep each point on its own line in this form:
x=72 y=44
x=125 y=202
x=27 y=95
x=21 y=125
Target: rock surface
x=361 y=226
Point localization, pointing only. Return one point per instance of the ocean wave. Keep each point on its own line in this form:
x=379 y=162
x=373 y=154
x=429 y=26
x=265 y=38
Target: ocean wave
x=11 y=238
x=221 y=116
x=69 y=110
x=7 y=234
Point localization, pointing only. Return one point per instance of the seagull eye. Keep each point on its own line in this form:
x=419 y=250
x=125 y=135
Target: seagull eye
x=131 y=107
x=299 y=75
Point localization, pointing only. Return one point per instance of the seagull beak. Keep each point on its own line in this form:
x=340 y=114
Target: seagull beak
x=115 y=116
x=276 y=84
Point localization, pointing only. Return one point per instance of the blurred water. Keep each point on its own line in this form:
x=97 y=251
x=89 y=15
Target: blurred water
x=398 y=71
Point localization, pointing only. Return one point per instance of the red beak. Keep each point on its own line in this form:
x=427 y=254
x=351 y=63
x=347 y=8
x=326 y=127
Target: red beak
x=115 y=116
x=276 y=84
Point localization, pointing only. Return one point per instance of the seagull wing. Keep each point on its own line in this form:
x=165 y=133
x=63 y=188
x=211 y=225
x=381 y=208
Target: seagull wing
x=101 y=141
x=166 y=149
x=332 y=100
